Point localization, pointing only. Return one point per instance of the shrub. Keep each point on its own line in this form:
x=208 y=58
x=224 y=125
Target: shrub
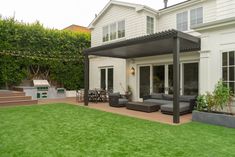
x=215 y=101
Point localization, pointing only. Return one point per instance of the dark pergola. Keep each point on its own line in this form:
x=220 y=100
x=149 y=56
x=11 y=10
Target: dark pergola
x=167 y=42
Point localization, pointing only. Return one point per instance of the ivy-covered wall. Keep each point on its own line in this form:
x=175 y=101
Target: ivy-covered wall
x=30 y=51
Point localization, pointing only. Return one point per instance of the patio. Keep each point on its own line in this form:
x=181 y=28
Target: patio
x=154 y=116
x=166 y=42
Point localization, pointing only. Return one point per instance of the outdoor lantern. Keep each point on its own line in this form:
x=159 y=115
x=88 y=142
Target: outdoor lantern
x=133 y=71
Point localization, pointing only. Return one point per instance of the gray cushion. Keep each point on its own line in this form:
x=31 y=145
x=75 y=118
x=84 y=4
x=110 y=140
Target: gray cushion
x=156 y=101
x=186 y=98
x=115 y=94
x=169 y=107
x=156 y=95
x=167 y=97
x=122 y=101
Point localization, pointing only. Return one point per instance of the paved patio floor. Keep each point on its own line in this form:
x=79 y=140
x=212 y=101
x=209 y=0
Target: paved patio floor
x=154 y=116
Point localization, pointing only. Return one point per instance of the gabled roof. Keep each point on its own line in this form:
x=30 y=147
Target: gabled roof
x=77 y=28
x=137 y=7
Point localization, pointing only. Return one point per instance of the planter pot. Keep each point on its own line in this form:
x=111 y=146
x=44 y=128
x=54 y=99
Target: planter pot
x=214 y=118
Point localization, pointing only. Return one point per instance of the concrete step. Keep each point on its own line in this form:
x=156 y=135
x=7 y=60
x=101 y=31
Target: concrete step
x=11 y=94
x=19 y=102
x=15 y=98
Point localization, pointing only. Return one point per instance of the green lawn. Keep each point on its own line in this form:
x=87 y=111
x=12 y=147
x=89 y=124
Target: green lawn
x=58 y=130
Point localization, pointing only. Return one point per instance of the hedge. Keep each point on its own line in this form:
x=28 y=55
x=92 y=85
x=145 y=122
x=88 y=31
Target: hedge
x=30 y=51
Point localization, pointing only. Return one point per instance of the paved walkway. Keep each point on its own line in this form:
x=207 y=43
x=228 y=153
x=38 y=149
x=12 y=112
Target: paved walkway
x=154 y=116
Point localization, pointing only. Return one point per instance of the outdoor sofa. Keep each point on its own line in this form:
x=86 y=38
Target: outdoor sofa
x=116 y=100
x=186 y=105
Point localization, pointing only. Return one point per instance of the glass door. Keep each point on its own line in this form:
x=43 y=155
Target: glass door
x=158 y=79
x=190 y=79
x=106 y=79
x=144 y=81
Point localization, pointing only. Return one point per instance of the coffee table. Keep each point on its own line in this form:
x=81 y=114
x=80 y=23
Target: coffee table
x=144 y=107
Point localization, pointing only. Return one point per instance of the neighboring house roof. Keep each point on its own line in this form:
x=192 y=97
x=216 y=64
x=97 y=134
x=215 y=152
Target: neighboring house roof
x=77 y=28
x=137 y=7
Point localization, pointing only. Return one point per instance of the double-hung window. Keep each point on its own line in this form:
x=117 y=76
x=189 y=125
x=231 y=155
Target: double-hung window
x=228 y=69
x=196 y=16
x=113 y=31
x=182 y=21
x=150 y=25
x=105 y=33
x=121 y=29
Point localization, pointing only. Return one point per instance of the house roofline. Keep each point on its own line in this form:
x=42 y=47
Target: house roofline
x=179 y=6
x=137 y=7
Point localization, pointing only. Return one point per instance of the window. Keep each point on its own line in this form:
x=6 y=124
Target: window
x=105 y=33
x=106 y=79
x=113 y=31
x=182 y=21
x=190 y=79
x=228 y=69
x=150 y=25
x=121 y=29
x=196 y=16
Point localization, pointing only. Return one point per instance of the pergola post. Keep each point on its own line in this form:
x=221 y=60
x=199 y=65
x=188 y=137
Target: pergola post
x=86 y=80
x=176 y=78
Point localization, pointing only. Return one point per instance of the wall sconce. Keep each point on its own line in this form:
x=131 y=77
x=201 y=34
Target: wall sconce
x=132 y=71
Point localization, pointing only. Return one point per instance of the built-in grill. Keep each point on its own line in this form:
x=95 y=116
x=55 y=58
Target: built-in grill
x=42 y=88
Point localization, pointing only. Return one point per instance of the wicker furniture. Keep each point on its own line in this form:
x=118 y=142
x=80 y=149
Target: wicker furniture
x=115 y=100
x=139 y=106
x=186 y=105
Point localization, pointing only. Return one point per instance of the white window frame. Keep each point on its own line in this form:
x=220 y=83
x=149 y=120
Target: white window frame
x=104 y=35
x=109 y=31
x=150 y=30
x=180 y=28
x=111 y=37
x=197 y=17
x=227 y=66
x=106 y=76
x=124 y=29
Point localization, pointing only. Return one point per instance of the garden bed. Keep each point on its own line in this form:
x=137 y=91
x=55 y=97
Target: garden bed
x=215 y=118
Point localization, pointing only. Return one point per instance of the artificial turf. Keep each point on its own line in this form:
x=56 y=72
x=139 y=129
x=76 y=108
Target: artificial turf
x=62 y=130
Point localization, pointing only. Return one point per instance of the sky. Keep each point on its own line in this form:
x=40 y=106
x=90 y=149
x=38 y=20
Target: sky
x=59 y=14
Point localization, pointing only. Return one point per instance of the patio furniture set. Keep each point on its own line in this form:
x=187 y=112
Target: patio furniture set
x=98 y=95
x=154 y=102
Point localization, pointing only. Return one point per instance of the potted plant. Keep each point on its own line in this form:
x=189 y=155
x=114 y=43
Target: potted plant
x=211 y=107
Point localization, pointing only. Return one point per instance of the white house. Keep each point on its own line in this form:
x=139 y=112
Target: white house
x=213 y=21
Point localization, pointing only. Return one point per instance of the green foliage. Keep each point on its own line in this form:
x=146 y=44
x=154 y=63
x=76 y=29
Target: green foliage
x=215 y=101
x=11 y=71
x=45 y=53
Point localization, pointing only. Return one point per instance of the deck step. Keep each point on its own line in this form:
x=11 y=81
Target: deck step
x=18 y=102
x=11 y=94
x=15 y=98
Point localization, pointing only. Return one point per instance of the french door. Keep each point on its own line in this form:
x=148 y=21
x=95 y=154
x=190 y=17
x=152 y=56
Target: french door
x=144 y=81
x=106 y=79
x=159 y=79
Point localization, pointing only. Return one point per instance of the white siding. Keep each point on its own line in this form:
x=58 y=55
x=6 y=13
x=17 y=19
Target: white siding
x=119 y=72
x=214 y=42
x=135 y=23
x=168 y=20
x=225 y=9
